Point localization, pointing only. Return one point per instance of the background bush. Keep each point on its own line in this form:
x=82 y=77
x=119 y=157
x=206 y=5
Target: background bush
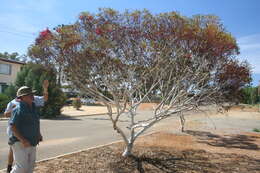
x=250 y=95
x=76 y=103
x=4 y=99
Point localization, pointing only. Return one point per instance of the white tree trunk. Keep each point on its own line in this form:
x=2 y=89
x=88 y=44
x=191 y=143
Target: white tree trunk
x=128 y=150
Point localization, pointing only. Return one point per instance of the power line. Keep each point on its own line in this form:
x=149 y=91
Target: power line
x=6 y=28
x=17 y=34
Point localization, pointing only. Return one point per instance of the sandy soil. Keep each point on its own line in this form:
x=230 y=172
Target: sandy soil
x=84 y=110
x=96 y=110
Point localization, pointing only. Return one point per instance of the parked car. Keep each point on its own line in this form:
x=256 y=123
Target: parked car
x=87 y=101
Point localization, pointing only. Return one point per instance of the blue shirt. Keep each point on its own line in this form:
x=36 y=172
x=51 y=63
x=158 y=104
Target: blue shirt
x=38 y=101
x=27 y=122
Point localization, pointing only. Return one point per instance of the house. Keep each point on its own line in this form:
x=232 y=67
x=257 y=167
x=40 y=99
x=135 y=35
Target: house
x=8 y=72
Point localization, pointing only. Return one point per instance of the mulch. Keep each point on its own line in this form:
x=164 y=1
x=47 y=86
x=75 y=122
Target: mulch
x=108 y=159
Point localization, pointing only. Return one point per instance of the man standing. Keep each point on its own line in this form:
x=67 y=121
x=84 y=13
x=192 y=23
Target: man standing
x=38 y=100
x=25 y=127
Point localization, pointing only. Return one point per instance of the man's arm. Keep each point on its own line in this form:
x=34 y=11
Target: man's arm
x=45 y=86
x=39 y=100
x=7 y=114
x=9 y=109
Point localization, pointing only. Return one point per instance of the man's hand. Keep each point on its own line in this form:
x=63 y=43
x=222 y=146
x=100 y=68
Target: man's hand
x=9 y=113
x=40 y=138
x=45 y=84
x=25 y=143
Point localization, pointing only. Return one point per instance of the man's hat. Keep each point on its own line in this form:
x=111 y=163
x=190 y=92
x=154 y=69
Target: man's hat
x=24 y=90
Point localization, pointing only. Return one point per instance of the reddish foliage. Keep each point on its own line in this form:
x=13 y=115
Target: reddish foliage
x=81 y=17
x=44 y=35
x=188 y=55
x=160 y=35
x=90 y=17
x=98 y=31
x=58 y=30
x=234 y=76
x=71 y=44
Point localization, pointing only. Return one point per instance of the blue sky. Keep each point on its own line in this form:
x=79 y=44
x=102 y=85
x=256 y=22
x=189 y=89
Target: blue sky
x=21 y=21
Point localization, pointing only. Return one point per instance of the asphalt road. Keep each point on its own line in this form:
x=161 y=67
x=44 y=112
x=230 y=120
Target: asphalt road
x=65 y=135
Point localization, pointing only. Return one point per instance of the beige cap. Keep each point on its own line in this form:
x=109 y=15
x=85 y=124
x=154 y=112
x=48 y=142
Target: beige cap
x=24 y=90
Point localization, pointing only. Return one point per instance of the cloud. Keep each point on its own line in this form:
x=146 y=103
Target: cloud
x=250 y=50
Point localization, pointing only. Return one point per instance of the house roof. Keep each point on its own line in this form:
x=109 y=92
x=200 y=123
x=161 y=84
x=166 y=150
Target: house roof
x=12 y=61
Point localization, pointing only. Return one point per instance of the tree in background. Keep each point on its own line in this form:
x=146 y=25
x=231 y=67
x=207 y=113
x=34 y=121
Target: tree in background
x=10 y=91
x=13 y=56
x=250 y=95
x=136 y=56
x=236 y=76
x=33 y=75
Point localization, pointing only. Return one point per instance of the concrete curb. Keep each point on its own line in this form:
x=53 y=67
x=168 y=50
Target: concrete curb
x=77 y=116
x=4 y=119
x=78 y=151
x=99 y=146
x=85 y=115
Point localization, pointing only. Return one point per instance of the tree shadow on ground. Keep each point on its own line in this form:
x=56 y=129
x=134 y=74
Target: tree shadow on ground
x=227 y=141
x=185 y=161
x=162 y=162
x=94 y=104
x=107 y=119
x=167 y=164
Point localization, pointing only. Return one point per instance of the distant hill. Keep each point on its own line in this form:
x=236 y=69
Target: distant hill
x=256 y=79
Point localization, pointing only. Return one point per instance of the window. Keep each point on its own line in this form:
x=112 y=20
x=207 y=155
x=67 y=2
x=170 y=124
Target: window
x=5 y=69
x=3 y=86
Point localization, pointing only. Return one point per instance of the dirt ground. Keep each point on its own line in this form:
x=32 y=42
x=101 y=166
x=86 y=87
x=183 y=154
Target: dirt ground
x=154 y=158
x=199 y=149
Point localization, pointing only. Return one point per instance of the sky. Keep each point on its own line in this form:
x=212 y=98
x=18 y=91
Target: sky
x=21 y=21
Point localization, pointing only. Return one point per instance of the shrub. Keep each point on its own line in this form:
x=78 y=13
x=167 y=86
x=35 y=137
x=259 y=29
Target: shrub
x=76 y=103
x=4 y=99
x=250 y=95
x=10 y=91
x=56 y=101
x=256 y=130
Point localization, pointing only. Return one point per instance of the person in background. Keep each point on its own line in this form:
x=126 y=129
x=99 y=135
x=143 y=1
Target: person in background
x=38 y=101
